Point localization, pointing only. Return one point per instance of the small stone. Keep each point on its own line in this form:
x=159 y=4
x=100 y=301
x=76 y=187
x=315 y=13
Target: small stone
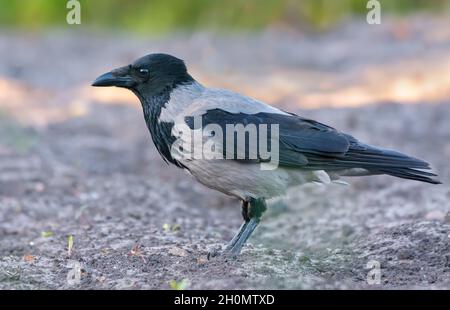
x=29 y=258
x=336 y=251
x=405 y=254
x=177 y=252
x=447 y=218
x=435 y=215
x=39 y=187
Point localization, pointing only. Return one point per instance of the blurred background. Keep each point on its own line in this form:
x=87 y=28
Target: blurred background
x=78 y=161
x=156 y=16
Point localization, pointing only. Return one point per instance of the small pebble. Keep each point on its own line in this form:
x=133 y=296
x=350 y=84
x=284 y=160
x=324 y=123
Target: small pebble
x=177 y=252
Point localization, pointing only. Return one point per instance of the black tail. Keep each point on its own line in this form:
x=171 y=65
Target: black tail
x=384 y=161
x=376 y=160
x=411 y=174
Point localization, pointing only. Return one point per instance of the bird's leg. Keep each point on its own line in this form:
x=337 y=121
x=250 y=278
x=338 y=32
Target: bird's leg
x=244 y=211
x=233 y=241
x=252 y=212
x=255 y=211
x=245 y=215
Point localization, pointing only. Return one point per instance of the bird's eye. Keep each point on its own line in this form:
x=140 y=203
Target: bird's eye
x=143 y=72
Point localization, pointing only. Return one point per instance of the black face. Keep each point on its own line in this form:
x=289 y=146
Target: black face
x=151 y=75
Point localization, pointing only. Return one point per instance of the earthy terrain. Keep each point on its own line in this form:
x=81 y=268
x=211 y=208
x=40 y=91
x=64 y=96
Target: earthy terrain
x=77 y=161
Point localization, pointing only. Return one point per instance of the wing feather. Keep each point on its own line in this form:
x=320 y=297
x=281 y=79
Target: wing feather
x=308 y=144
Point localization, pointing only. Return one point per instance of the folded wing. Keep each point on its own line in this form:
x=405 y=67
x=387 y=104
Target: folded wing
x=307 y=144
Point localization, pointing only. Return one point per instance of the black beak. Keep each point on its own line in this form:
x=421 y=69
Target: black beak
x=119 y=77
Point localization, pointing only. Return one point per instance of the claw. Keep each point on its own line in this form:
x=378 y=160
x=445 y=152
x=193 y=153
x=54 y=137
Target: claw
x=225 y=254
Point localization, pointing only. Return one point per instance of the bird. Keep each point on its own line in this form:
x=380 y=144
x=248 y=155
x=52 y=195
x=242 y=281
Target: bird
x=177 y=107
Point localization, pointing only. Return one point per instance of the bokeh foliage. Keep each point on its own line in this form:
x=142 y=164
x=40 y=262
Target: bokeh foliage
x=169 y=15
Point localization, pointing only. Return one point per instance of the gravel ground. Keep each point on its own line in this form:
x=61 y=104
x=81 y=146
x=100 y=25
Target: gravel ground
x=71 y=165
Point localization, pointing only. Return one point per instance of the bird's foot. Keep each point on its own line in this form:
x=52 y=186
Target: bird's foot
x=227 y=253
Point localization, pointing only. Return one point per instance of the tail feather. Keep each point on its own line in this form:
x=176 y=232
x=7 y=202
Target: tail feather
x=411 y=174
x=363 y=159
x=379 y=160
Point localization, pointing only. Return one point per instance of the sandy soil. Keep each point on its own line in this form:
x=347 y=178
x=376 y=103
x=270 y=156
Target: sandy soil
x=71 y=165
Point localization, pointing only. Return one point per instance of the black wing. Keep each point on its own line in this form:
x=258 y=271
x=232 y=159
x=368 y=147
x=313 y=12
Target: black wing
x=307 y=144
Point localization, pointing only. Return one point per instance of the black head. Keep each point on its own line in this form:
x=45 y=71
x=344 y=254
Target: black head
x=150 y=75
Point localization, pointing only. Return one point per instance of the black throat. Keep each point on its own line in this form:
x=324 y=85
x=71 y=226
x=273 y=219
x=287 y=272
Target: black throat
x=161 y=132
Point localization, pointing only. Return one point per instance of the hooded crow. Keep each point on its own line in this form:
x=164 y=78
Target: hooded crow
x=184 y=118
